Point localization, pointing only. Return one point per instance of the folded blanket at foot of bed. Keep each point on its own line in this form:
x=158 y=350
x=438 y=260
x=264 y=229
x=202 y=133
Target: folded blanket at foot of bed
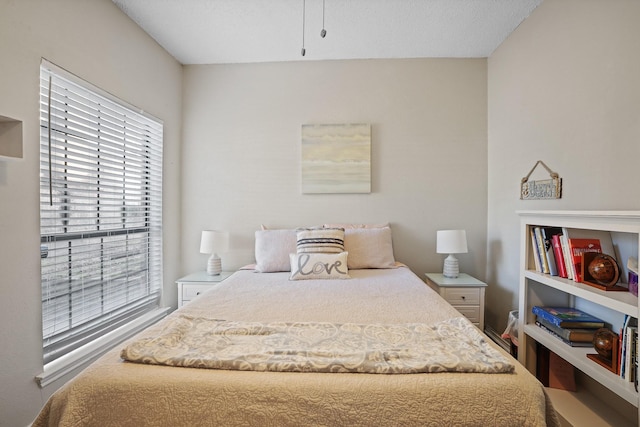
x=452 y=345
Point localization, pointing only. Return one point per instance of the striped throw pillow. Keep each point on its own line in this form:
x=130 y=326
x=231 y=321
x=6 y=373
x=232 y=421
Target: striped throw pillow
x=320 y=240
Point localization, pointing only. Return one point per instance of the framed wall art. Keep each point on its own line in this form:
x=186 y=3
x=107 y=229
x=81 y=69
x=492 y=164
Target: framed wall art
x=336 y=158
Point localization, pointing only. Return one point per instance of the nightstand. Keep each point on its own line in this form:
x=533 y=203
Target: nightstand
x=464 y=293
x=189 y=287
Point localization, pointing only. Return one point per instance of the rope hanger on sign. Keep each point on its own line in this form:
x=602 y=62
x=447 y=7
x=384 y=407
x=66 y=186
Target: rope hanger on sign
x=540 y=162
x=545 y=189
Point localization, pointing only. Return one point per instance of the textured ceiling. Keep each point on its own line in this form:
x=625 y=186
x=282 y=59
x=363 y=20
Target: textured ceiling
x=233 y=31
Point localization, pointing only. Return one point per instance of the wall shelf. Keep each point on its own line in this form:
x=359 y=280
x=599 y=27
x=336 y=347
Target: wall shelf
x=10 y=138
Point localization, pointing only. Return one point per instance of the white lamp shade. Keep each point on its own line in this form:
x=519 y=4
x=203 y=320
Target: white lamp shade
x=213 y=241
x=451 y=242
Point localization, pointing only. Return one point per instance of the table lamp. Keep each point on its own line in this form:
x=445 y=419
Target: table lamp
x=451 y=242
x=211 y=242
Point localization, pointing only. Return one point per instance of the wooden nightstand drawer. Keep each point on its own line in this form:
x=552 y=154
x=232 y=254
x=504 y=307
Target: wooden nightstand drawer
x=462 y=296
x=189 y=291
x=471 y=312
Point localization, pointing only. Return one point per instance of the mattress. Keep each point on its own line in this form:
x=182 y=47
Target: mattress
x=114 y=392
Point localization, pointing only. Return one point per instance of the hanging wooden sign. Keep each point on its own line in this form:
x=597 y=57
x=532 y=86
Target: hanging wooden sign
x=545 y=189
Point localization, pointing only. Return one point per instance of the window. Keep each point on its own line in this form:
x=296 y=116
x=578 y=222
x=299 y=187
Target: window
x=100 y=211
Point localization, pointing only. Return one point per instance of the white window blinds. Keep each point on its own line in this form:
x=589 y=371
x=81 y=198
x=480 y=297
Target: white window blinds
x=100 y=211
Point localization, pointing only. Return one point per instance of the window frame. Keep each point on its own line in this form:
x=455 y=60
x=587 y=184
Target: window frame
x=141 y=201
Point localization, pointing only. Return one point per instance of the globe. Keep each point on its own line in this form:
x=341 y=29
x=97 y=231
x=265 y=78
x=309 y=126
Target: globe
x=604 y=269
x=603 y=342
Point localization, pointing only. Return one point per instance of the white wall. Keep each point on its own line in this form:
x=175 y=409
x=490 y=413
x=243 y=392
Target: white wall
x=241 y=152
x=96 y=41
x=563 y=88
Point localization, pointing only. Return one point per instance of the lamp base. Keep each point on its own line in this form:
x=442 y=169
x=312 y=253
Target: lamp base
x=214 y=265
x=451 y=267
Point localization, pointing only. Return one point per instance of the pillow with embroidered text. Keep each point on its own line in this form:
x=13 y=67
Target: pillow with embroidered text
x=309 y=266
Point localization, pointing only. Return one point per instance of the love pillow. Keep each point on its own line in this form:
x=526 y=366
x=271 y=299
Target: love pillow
x=308 y=266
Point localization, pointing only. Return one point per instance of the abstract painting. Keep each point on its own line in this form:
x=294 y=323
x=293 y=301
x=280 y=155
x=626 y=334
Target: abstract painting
x=336 y=158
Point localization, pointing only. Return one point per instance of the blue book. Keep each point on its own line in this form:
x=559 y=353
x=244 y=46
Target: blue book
x=566 y=341
x=568 y=317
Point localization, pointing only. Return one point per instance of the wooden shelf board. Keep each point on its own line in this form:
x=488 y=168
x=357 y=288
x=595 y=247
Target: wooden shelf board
x=624 y=302
x=584 y=409
x=577 y=356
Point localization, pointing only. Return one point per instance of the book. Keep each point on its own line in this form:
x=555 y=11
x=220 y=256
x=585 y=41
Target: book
x=567 y=256
x=564 y=340
x=627 y=347
x=541 y=249
x=569 y=334
x=632 y=336
x=536 y=252
x=632 y=266
x=619 y=354
x=559 y=256
x=623 y=345
x=636 y=362
x=547 y=234
x=567 y=317
x=578 y=247
x=606 y=242
x=572 y=269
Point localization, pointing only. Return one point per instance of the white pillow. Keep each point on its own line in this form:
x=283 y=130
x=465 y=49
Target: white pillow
x=272 y=250
x=369 y=248
x=308 y=266
x=320 y=240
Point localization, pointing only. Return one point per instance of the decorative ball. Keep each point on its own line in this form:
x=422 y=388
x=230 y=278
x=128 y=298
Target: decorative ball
x=604 y=269
x=603 y=342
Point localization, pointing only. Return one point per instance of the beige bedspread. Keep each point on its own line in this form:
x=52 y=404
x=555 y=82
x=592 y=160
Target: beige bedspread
x=114 y=392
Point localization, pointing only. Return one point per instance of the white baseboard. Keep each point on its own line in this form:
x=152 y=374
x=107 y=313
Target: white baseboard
x=495 y=337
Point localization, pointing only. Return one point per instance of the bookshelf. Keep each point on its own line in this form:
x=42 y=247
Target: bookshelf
x=601 y=395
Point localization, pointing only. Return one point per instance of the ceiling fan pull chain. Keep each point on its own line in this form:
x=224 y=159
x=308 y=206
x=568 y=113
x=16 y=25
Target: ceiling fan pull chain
x=323 y=33
x=304 y=5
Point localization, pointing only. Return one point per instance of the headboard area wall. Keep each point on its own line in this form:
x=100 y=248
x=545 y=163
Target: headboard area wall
x=241 y=154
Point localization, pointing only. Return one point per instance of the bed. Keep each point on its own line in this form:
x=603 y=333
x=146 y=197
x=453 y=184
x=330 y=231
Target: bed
x=161 y=388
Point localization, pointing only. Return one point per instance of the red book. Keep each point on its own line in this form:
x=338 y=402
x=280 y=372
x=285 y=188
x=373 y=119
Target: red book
x=557 y=250
x=577 y=248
